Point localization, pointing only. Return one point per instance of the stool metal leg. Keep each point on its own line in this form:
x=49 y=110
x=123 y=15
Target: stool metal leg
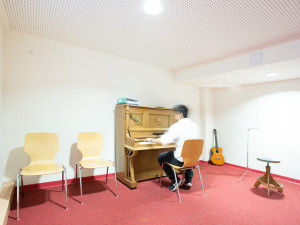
x=268 y=177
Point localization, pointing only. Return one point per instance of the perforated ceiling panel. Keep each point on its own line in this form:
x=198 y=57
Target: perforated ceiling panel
x=186 y=33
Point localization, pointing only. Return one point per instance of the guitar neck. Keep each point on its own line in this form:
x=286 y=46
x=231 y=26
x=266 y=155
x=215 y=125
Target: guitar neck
x=216 y=140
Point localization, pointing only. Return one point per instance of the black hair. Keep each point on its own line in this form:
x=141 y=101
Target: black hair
x=181 y=109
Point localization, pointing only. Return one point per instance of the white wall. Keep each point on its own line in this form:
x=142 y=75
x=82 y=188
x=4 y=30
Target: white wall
x=275 y=109
x=53 y=87
x=208 y=120
x=1 y=75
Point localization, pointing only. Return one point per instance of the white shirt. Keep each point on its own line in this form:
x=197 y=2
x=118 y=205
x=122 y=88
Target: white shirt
x=179 y=132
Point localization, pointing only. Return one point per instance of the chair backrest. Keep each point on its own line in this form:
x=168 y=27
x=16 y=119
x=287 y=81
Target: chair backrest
x=191 y=152
x=90 y=144
x=41 y=147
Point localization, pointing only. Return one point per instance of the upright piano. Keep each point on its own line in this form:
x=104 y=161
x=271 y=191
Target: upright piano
x=136 y=161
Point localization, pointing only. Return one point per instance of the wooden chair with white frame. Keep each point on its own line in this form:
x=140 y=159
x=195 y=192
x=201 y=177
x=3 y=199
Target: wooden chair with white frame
x=91 y=144
x=41 y=147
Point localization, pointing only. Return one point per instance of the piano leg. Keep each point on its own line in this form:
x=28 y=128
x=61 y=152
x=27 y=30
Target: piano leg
x=131 y=174
x=129 y=171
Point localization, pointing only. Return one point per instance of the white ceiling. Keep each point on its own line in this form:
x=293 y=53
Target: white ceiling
x=287 y=69
x=187 y=33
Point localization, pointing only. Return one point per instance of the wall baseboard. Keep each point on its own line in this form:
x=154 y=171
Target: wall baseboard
x=260 y=172
x=111 y=175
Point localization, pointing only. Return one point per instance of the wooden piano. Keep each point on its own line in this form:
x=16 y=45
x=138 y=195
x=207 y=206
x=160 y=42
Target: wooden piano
x=136 y=161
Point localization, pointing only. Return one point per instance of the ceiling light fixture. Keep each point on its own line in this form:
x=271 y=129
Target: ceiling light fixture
x=271 y=74
x=153 y=7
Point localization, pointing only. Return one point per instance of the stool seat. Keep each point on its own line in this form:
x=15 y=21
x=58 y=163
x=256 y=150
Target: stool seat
x=267 y=179
x=267 y=159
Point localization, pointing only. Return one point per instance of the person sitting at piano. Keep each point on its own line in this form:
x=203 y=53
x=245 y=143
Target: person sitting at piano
x=178 y=132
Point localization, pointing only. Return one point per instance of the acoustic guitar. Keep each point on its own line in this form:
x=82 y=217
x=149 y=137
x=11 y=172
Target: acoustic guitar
x=217 y=157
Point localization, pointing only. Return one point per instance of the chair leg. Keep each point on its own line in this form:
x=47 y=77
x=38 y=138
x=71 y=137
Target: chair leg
x=201 y=180
x=116 y=181
x=76 y=175
x=62 y=180
x=106 y=175
x=175 y=175
x=22 y=185
x=162 y=165
x=79 y=167
x=18 y=194
x=66 y=186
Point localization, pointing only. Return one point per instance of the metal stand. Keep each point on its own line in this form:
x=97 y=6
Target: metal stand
x=247 y=168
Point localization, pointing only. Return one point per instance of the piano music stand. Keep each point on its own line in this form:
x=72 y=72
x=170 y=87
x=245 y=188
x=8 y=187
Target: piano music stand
x=247 y=168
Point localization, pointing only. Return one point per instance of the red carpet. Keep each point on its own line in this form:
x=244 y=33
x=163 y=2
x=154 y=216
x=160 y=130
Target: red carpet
x=226 y=202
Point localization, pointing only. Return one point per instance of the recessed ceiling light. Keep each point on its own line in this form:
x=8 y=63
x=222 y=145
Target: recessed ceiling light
x=271 y=74
x=153 y=7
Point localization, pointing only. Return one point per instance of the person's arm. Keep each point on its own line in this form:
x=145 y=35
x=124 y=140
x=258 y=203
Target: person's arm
x=167 y=138
x=154 y=140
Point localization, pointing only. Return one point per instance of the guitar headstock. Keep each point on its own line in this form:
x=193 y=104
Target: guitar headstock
x=215 y=132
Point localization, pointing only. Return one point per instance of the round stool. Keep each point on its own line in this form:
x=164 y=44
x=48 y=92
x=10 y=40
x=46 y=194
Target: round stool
x=267 y=179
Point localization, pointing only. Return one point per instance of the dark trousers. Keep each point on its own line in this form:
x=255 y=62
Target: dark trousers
x=169 y=157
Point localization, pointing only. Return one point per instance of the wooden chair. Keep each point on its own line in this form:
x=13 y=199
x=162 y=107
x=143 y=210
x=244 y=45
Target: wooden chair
x=191 y=152
x=91 y=144
x=41 y=147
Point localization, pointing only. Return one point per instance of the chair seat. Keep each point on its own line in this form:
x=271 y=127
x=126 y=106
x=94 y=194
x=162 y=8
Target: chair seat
x=181 y=167
x=95 y=162
x=176 y=167
x=41 y=169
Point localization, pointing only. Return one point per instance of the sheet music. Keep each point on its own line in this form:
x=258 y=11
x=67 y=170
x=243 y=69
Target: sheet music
x=146 y=143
